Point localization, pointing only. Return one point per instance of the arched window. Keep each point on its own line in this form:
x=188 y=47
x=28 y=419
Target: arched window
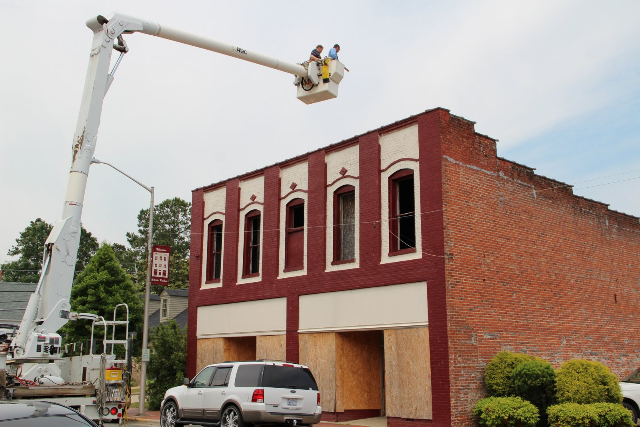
x=294 y=246
x=252 y=243
x=344 y=224
x=214 y=250
x=402 y=222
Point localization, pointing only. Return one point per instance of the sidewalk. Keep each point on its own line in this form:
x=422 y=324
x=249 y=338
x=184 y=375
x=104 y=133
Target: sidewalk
x=132 y=415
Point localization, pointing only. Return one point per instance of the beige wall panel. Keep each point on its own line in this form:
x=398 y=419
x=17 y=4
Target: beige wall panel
x=271 y=347
x=386 y=307
x=240 y=348
x=318 y=352
x=358 y=370
x=210 y=350
x=268 y=317
x=408 y=373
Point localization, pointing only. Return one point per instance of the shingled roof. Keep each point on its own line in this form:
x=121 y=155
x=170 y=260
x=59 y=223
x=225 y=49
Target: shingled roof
x=13 y=301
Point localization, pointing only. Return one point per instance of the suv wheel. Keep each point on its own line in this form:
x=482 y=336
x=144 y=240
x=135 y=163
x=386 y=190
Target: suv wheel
x=634 y=413
x=169 y=415
x=231 y=417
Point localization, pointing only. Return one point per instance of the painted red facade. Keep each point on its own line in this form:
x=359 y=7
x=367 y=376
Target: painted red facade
x=512 y=260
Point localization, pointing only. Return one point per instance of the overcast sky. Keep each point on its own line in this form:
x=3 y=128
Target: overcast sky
x=556 y=82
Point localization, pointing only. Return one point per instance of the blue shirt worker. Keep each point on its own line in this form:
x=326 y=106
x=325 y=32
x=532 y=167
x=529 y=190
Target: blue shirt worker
x=333 y=53
x=315 y=53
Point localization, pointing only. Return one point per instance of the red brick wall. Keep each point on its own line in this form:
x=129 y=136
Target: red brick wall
x=530 y=268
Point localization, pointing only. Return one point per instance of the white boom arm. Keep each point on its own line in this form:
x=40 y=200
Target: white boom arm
x=48 y=308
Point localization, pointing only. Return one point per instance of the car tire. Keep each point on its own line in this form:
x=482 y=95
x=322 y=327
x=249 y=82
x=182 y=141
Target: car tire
x=634 y=412
x=169 y=415
x=232 y=417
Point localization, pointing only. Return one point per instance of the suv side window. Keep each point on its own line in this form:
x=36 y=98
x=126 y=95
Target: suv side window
x=221 y=377
x=249 y=375
x=204 y=377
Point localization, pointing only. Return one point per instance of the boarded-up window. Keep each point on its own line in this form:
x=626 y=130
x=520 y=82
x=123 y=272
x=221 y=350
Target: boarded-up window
x=294 y=249
x=214 y=251
x=344 y=224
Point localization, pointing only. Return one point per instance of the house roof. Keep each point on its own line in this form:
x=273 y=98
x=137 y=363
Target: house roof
x=154 y=319
x=13 y=300
x=181 y=319
x=177 y=292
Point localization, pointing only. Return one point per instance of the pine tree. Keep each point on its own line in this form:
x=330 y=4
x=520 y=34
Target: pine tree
x=98 y=289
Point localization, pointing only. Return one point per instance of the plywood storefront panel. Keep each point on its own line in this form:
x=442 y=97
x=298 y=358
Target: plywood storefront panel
x=272 y=347
x=210 y=350
x=358 y=370
x=408 y=373
x=318 y=352
x=239 y=348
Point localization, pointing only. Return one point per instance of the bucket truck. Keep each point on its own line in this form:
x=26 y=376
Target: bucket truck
x=31 y=365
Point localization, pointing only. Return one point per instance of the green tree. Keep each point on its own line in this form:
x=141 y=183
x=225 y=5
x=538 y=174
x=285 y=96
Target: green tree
x=29 y=248
x=129 y=261
x=171 y=226
x=168 y=364
x=101 y=286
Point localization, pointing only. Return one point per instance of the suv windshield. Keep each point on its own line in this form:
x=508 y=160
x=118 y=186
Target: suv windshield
x=288 y=377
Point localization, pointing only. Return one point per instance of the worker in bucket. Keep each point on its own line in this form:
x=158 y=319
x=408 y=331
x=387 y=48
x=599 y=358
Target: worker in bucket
x=333 y=53
x=315 y=53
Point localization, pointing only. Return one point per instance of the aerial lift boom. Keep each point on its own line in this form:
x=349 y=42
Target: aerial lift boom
x=49 y=309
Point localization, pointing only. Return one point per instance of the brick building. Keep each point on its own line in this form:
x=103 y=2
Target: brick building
x=398 y=262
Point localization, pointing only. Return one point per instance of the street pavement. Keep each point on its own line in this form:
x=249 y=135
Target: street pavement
x=152 y=418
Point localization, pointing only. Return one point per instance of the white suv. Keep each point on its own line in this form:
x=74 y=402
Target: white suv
x=234 y=394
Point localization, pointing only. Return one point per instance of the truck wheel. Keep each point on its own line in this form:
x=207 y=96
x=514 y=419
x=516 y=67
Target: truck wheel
x=634 y=413
x=169 y=415
x=232 y=417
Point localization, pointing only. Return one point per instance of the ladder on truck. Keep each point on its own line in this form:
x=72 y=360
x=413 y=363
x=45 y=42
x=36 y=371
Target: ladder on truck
x=113 y=324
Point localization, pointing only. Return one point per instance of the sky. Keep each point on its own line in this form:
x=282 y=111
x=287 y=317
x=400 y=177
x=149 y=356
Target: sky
x=557 y=83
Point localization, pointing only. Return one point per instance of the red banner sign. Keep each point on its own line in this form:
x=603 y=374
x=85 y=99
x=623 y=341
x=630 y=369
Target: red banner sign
x=160 y=265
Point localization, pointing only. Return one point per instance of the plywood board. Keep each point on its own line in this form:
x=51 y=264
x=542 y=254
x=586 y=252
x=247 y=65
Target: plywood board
x=210 y=350
x=407 y=373
x=318 y=352
x=358 y=381
x=273 y=347
x=239 y=348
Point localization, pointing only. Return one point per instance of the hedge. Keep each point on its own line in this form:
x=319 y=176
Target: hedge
x=584 y=381
x=506 y=411
x=497 y=374
x=589 y=415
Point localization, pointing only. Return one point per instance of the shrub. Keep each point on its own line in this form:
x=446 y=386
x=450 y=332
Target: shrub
x=584 y=381
x=535 y=381
x=506 y=411
x=497 y=374
x=596 y=414
x=168 y=364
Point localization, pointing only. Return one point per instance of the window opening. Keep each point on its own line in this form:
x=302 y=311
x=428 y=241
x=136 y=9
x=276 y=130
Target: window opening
x=214 y=243
x=344 y=230
x=252 y=243
x=294 y=250
x=402 y=225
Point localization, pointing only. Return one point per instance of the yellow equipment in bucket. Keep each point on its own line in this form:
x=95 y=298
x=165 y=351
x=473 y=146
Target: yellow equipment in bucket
x=325 y=70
